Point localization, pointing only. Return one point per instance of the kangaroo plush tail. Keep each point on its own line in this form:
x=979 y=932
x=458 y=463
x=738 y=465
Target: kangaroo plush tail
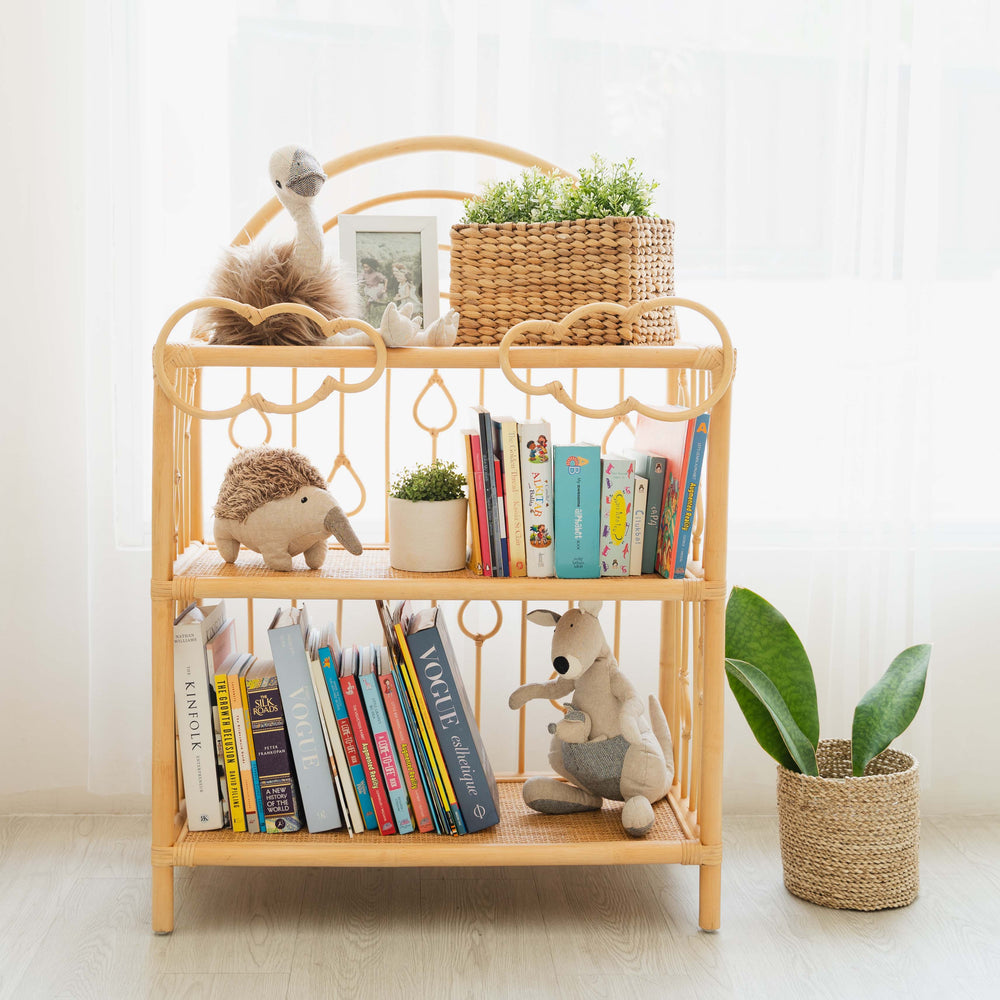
x=661 y=730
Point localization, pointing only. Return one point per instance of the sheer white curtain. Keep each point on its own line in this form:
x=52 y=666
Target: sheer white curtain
x=831 y=171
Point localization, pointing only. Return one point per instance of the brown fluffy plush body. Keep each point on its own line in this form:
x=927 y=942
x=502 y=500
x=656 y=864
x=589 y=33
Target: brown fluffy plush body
x=258 y=475
x=261 y=275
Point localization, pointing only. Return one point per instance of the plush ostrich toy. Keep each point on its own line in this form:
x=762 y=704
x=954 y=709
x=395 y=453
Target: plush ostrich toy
x=262 y=274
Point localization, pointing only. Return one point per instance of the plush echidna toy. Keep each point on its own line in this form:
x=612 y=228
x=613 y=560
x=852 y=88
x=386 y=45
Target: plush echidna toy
x=263 y=274
x=274 y=501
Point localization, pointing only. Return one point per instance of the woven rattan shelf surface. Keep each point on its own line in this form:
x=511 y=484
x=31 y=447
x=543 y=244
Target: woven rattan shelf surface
x=522 y=837
x=201 y=572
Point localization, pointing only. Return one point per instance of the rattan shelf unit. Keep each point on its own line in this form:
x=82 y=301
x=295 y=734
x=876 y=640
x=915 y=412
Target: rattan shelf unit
x=186 y=567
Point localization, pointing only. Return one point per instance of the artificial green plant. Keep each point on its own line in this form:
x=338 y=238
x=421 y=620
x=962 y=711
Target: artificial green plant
x=437 y=481
x=604 y=190
x=772 y=680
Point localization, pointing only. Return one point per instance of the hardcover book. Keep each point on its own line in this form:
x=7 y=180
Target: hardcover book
x=378 y=722
x=287 y=636
x=454 y=723
x=689 y=497
x=500 y=482
x=490 y=487
x=193 y=700
x=536 y=497
x=251 y=746
x=237 y=665
x=363 y=739
x=482 y=508
x=234 y=785
x=638 y=526
x=617 y=476
x=512 y=492
x=576 y=474
x=652 y=468
x=280 y=805
x=475 y=502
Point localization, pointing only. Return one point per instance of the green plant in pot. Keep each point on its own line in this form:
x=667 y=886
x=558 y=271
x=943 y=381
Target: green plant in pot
x=848 y=811
x=427 y=518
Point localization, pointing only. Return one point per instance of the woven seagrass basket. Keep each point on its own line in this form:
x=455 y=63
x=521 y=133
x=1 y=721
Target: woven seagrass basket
x=851 y=843
x=505 y=273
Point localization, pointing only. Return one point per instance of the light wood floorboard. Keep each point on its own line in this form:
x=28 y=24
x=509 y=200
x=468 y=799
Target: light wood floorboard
x=74 y=922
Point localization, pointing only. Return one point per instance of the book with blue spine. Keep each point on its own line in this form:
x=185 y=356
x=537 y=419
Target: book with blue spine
x=576 y=475
x=287 y=637
x=328 y=665
x=454 y=722
x=617 y=483
x=689 y=497
x=378 y=721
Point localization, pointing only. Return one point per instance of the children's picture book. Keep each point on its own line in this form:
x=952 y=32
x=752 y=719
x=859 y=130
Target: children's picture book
x=536 y=497
x=513 y=495
x=617 y=484
x=577 y=488
x=689 y=497
x=652 y=468
x=638 y=526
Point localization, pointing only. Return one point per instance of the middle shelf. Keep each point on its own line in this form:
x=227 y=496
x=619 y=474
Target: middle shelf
x=201 y=573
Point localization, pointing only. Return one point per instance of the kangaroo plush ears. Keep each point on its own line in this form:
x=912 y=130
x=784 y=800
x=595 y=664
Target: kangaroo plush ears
x=551 y=618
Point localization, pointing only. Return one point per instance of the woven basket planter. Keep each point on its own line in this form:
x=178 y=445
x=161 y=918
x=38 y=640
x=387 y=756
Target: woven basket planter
x=851 y=843
x=503 y=274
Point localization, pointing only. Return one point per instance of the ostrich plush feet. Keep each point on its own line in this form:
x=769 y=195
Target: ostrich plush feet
x=548 y=795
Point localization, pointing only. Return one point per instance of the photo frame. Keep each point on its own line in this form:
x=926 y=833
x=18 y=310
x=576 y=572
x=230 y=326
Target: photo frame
x=394 y=259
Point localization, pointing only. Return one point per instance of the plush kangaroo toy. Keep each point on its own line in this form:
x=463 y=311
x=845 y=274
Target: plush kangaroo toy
x=605 y=745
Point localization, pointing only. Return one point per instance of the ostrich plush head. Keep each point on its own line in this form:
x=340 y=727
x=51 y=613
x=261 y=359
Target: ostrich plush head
x=262 y=273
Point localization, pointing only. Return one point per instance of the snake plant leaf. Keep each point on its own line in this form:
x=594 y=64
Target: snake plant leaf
x=889 y=706
x=797 y=753
x=757 y=633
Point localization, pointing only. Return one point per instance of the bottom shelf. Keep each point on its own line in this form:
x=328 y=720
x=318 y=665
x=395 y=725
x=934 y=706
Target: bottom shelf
x=523 y=837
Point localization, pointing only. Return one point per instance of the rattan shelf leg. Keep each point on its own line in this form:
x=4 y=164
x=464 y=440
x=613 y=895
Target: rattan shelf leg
x=710 y=897
x=163 y=899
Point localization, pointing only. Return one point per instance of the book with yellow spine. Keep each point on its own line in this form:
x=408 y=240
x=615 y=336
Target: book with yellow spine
x=230 y=759
x=512 y=492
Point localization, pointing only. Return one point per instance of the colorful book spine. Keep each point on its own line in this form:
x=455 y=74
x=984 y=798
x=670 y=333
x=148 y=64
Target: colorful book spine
x=482 y=507
x=368 y=754
x=280 y=806
x=536 y=497
x=512 y=491
x=409 y=766
x=454 y=722
x=689 y=497
x=428 y=734
x=617 y=476
x=475 y=551
x=652 y=468
x=499 y=480
x=252 y=747
x=490 y=488
x=242 y=745
x=352 y=765
x=193 y=699
x=230 y=757
x=378 y=721
x=576 y=474
x=312 y=765
x=638 y=526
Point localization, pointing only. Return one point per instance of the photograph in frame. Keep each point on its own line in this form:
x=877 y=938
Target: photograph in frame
x=393 y=259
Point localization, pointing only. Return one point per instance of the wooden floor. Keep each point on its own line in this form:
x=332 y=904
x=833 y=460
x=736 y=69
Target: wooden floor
x=74 y=922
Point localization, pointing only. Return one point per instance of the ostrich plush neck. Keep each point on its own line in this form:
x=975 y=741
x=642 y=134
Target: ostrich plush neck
x=297 y=177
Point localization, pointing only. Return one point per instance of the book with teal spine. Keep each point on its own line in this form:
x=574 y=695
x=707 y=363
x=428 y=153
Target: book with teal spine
x=689 y=496
x=617 y=483
x=576 y=475
x=378 y=722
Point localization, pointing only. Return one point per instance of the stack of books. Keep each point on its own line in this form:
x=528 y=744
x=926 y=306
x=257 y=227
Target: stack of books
x=567 y=510
x=324 y=737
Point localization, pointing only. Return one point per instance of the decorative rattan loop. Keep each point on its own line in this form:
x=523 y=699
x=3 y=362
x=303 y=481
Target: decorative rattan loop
x=479 y=637
x=556 y=390
x=232 y=429
x=254 y=316
x=435 y=379
x=342 y=461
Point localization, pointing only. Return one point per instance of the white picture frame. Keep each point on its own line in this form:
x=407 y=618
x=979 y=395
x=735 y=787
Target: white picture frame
x=394 y=258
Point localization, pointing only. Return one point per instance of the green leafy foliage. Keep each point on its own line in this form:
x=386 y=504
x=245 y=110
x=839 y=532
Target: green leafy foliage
x=797 y=753
x=605 y=190
x=889 y=706
x=772 y=681
x=436 y=481
x=759 y=634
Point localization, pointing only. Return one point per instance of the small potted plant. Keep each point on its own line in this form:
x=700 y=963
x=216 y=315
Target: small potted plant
x=539 y=245
x=427 y=518
x=848 y=810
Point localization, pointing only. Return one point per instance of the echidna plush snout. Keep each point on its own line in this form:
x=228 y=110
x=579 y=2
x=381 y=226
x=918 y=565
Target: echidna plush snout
x=337 y=524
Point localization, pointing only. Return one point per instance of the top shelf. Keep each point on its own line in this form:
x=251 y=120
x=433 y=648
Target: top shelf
x=196 y=354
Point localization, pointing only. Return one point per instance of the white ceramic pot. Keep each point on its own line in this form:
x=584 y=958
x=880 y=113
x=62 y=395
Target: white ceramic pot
x=427 y=536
